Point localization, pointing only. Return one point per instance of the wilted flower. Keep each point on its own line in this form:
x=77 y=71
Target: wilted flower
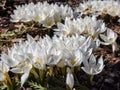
x=91 y=66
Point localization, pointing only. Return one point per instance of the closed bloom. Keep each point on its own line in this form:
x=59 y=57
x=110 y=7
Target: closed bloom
x=109 y=39
x=70 y=79
x=91 y=66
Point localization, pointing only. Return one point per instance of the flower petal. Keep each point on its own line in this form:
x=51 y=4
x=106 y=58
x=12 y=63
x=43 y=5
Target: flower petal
x=24 y=77
x=92 y=61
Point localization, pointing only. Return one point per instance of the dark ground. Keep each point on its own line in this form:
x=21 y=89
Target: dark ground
x=109 y=79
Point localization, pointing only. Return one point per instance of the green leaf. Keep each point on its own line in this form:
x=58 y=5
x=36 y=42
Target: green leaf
x=36 y=86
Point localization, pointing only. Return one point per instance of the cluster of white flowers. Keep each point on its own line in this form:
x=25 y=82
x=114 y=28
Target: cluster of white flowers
x=99 y=7
x=62 y=51
x=44 y=13
x=73 y=42
x=88 y=26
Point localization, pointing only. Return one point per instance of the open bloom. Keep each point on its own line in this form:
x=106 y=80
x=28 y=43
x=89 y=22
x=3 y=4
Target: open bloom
x=92 y=67
x=73 y=58
x=24 y=69
x=109 y=39
x=40 y=58
x=100 y=7
x=56 y=57
x=43 y=13
x=10 y=59
x=18 y=59
x=88 y=26
x=59 y=51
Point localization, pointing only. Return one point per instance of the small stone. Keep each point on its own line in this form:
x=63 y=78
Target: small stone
x=109 y=81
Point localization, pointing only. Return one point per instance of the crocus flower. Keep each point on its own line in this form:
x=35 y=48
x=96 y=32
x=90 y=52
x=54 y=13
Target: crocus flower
x=73 y=58
x=24 y=69
x=92 y=67
x=69 y=79
x=43 y=13
x=4 y=68
x=109 y=39
x=88 y=26
x=99 y=7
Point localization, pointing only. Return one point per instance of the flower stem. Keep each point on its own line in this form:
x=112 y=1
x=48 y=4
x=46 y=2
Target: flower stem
x=34 y=73
x=91 y=79
x=41 y=75
x=8 y=82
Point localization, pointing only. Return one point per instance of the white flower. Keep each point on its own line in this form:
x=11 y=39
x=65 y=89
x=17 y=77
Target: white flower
x=44 y=13
x=60 y=51
x=73 y=58
x=9 y=59
x=19 y=58
x=69 y=79
x=88 y=26
x=66 y=29
x=23 y=13
x=86 y=46
x=92 y=67
x=66 y=11
x=40 y=58
x=99 y=7
x=48 y=22
x=19 y=52
x=24 y=69
x=56 y=57
x=110 y=38
x=4 y=68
